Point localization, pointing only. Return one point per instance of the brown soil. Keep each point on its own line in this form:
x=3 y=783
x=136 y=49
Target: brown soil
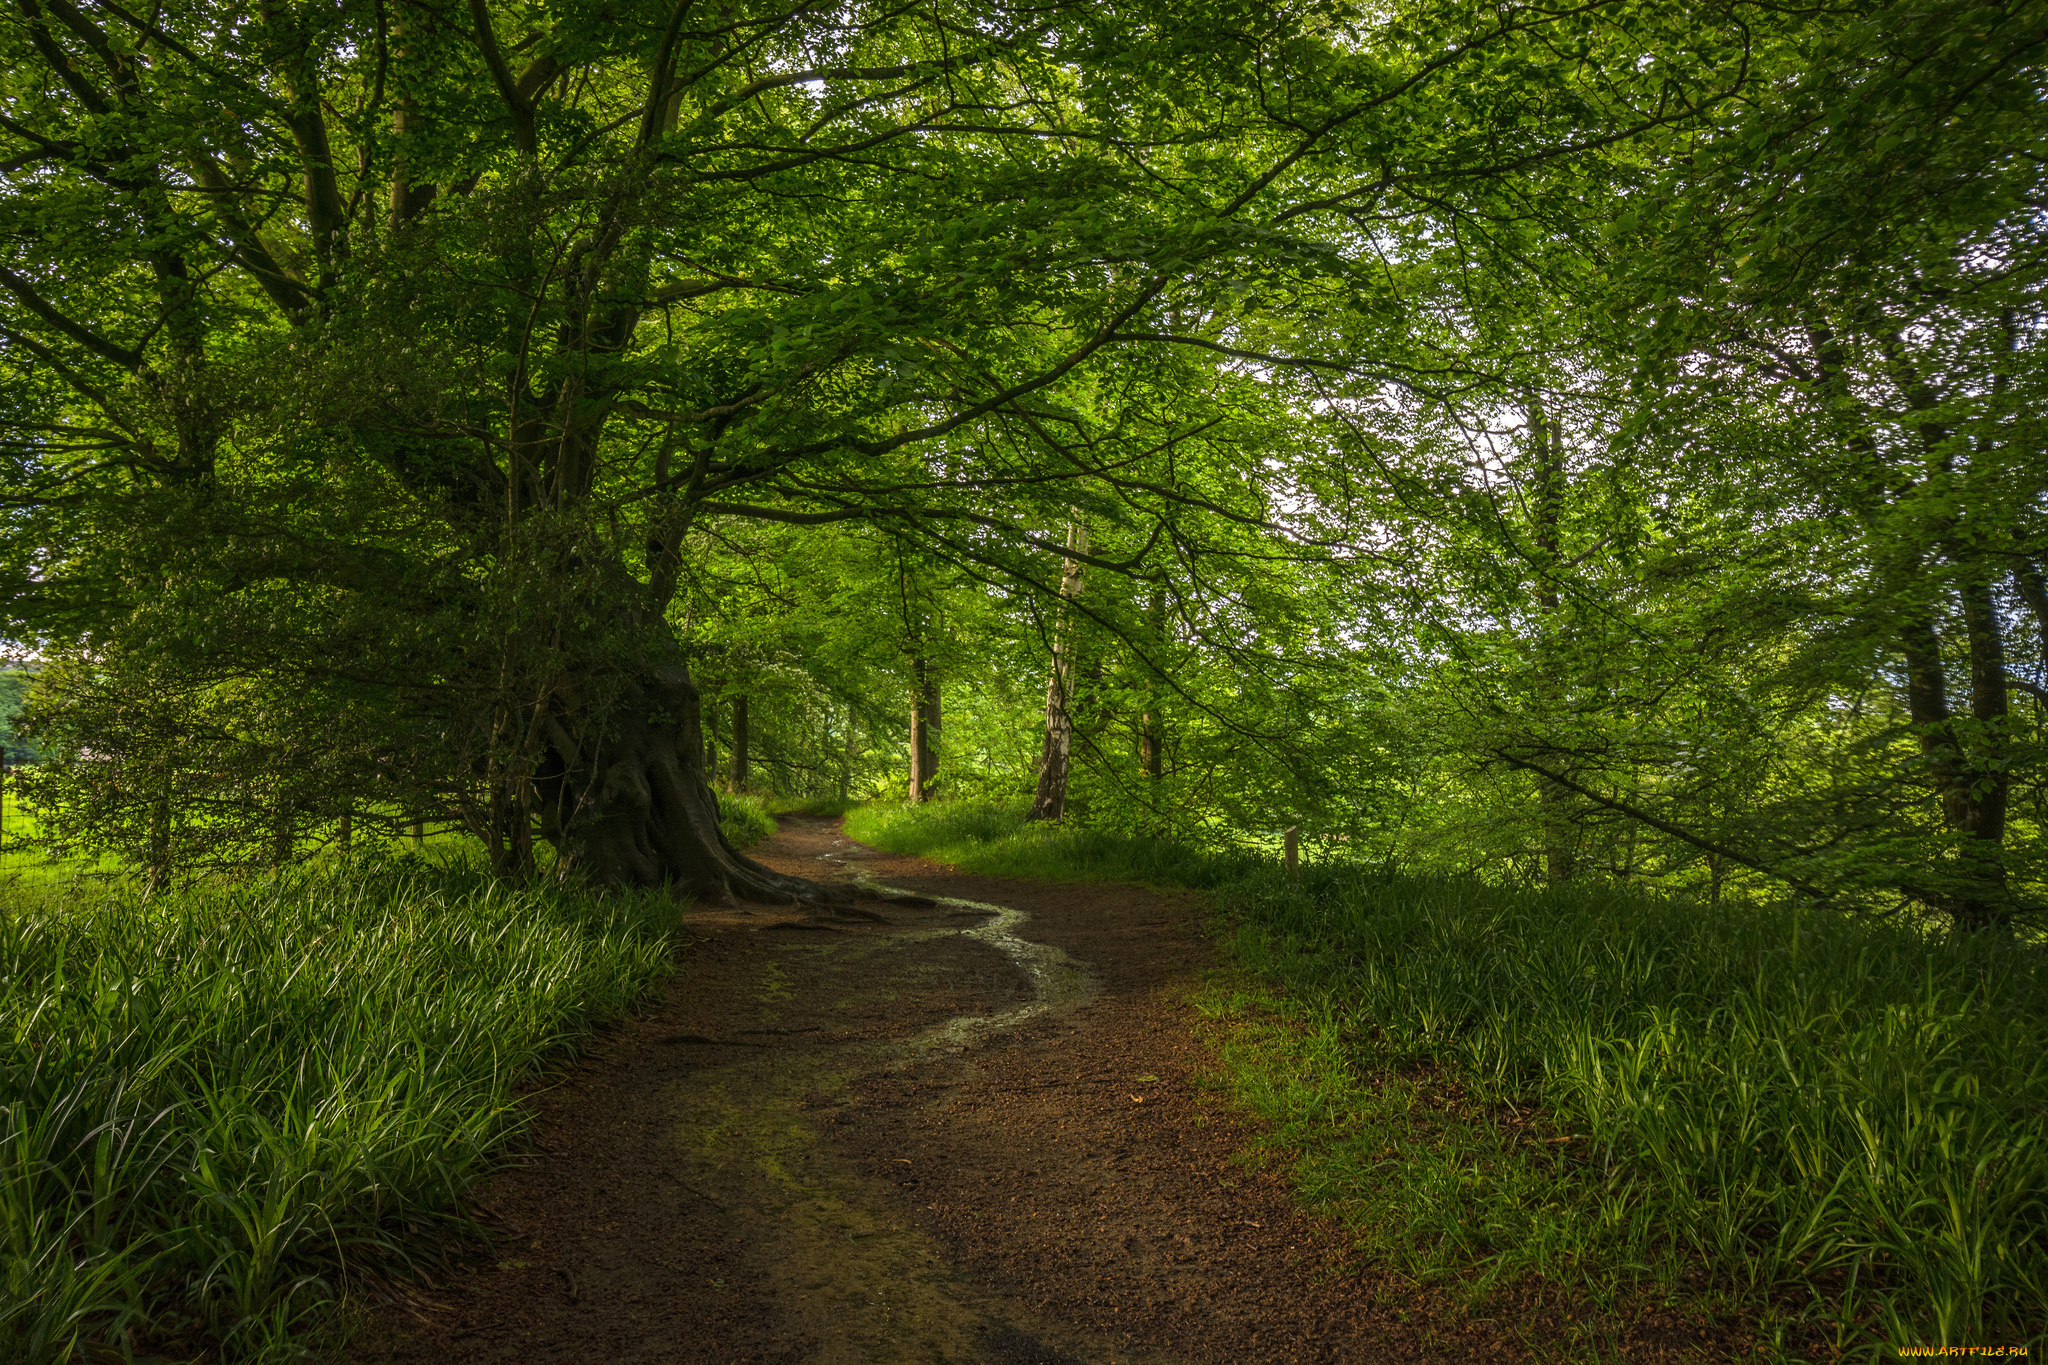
x=794 y=1158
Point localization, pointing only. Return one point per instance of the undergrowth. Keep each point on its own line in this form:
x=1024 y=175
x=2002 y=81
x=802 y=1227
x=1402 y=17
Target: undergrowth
x=820 y=806
x=218 y=1106
x=744 y=819
x=997 y=841
x=1836 y=1122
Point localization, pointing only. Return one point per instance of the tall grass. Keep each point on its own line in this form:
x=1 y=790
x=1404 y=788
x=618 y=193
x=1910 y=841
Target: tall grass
x=996 y=840
x=1800 y=1103
x=814 y=805
x=744 y=819
x=217 y=1105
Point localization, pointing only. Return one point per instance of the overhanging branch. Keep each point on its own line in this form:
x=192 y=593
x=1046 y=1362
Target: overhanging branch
x=1683 y=835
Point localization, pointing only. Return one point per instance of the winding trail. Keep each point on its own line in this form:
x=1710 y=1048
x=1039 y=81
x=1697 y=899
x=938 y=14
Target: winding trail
x=964 y=1131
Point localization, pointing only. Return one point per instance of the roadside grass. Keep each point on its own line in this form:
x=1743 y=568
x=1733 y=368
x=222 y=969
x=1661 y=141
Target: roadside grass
x=1833 y=1126
x=223 y=1106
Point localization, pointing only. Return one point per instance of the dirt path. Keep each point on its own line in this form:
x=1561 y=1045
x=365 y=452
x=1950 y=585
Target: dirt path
x=804 y=1156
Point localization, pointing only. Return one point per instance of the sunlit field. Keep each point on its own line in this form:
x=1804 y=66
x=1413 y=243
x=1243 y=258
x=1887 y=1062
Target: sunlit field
x=1836 y=1124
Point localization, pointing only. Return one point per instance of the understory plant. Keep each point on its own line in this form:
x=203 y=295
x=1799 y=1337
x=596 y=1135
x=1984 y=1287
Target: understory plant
x=219 y=1106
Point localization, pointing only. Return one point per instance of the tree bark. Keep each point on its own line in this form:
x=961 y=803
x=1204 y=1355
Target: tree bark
x=625 y=800
x=924 y=729
x=710 y=741
x=1055 y=757
x=739 y=743
x=282 y=844
x=846 y=758
x=408 y=197
x=1554 y=801
x=2033 y=586
x=1151 y=722
x=157 y=864
x=1965 y=761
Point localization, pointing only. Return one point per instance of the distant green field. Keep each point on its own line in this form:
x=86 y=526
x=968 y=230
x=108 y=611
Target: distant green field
x=20 y=862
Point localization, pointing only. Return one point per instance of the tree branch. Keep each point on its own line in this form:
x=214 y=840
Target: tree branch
x=516 y=104
x=1683 y=835
x=78 y=332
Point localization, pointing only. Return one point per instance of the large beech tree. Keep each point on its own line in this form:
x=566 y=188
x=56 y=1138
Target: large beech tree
x=384 y=354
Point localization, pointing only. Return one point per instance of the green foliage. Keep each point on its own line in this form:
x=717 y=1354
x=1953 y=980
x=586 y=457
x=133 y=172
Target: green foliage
x=448 y=379
x=1690 y=533
x=14 y=686
x=1779 y=1100
x=220 y=1105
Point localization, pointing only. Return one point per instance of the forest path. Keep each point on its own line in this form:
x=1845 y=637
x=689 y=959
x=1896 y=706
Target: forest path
x=801 y=1155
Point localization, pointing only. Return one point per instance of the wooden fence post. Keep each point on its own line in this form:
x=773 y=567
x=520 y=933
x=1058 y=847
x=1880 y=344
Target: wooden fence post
x=1292 y=837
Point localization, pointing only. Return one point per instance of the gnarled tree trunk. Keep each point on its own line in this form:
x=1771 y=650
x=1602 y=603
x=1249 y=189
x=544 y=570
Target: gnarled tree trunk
x=625 y=800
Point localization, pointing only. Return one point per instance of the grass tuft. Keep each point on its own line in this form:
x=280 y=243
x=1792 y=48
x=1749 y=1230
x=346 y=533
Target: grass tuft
x=744 y=819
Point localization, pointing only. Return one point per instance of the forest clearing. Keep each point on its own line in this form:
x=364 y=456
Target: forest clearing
x=1428 y=621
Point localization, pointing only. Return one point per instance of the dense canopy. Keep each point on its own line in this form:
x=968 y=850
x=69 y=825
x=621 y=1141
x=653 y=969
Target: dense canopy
x=1592 y=440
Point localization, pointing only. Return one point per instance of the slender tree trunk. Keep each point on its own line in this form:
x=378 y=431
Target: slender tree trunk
x=1152 y=721
x=1151 y=743
x=509 y=828
x=1560 y=828
x=1050 y=801
x=739 y=743
x=1986 y=750
x=1965 y=760
x=157 y=870
x=281 y=842
x=408 y=197
x=924 y=729
x=2033 y=586
x=846 y=758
